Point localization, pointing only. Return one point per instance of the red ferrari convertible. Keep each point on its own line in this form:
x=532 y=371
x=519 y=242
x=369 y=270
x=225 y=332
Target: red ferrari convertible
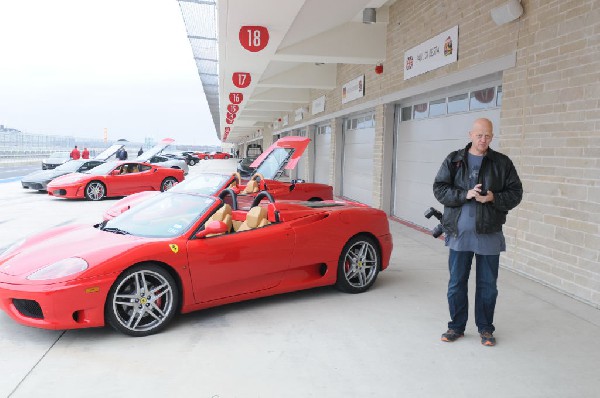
x=182 y=252
x=283 y=154
x=115 y=179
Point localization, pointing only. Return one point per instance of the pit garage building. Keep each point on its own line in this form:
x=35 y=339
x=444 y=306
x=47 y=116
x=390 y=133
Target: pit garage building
x=386 y=89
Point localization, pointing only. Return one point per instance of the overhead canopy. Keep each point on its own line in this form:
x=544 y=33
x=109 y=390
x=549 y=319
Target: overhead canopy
x=306 y=41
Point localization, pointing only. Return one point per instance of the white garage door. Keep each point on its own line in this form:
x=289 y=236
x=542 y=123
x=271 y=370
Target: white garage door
x=322 y=154
x=301 y=168
x=423 y=142
x=357 y=170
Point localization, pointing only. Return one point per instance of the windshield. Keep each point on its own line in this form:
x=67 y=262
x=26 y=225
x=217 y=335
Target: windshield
x=102 y=170
x=206 y=184
x=272 y=163
x=164 y=216
x=71 y=165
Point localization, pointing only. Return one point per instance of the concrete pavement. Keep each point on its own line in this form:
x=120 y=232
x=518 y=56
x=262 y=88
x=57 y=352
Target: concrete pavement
x=315 y=343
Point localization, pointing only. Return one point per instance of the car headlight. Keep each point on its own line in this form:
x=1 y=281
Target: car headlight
x=13 y=247
x=60 y=269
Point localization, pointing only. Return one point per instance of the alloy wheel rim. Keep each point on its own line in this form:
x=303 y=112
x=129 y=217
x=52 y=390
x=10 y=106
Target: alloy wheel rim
x=95 y=191
x=360 y=264
x=143 y=301
x=168 y=185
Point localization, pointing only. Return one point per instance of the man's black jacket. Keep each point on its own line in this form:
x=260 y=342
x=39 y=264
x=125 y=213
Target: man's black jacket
x=497 y=174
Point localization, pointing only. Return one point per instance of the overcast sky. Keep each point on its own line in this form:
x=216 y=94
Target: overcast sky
x=76 y=67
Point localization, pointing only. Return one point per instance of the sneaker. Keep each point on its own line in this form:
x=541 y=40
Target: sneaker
x=488 y=339
x=451 y=335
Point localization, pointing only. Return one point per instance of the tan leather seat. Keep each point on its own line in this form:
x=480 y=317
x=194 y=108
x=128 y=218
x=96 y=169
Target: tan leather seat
x=251 y=187
x=224 y=215
x=256 y=218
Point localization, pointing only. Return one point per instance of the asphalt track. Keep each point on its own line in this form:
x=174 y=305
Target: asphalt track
x=315 y=343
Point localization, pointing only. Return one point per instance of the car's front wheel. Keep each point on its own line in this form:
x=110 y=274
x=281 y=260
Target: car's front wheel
x=95 y=190
x=167 y=184
x=358 y=265
x=142 y=301
x=192 y=162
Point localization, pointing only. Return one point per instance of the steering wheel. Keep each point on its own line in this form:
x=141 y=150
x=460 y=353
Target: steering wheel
x=261 y=195
x=238 y=178
x=230 y=192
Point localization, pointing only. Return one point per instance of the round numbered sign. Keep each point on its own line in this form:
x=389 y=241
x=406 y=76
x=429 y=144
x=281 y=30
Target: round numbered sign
x=233 y=108
x=254 y=38
x=231 y=115
x=241 y=79
x=236 y=98
x=229 y=121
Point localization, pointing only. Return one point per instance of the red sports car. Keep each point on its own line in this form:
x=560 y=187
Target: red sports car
x=283 y=154
x=219 y=155
x=182 y=252
x=115 y=179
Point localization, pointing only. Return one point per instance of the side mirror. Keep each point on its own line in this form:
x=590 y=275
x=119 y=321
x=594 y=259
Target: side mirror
x=115 y=172
x=213 y=227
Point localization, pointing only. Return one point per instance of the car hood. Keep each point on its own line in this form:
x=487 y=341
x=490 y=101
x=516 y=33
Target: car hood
x=83 y=241
x=295 y=143
x=127 y=202
x=70 y=178
x=155 y=150
x=43 y=175
x=108 y=152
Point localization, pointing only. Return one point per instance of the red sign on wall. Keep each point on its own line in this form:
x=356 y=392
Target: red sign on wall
x=254 y=38
x=241 y=79
x=229 y=121
x=236 y=98
x=230 y=115
x=233 y=108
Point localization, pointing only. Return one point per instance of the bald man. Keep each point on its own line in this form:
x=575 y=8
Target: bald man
x=477 y=186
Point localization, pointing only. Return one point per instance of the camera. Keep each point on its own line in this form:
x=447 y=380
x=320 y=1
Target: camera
x=438 y=230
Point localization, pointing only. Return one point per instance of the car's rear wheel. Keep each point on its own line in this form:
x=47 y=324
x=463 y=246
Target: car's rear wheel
x=206 y=157
x=358 y=265
x=168 y=183
x=95 y=190
x=192 y=162
x=142 y=301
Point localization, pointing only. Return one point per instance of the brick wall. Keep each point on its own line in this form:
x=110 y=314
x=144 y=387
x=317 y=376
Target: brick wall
x=550 y=121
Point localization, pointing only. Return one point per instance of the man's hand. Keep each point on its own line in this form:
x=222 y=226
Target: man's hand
x=475 y=193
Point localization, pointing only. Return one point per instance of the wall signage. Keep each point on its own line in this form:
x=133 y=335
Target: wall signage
x=354 y=89
x=434 y=53
x=318 y=105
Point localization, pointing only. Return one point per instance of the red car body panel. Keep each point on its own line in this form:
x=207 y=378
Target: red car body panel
x=220 y=155
x=299 y=252
x=72 y=186
x=299 y=145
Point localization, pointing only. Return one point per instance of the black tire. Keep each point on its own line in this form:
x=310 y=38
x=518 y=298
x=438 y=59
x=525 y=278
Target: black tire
x=136 y=312
x=192 y=162
x=359 y=265
x=206 y=157
x=168 y=183
x=226 y=156
x=95 y=190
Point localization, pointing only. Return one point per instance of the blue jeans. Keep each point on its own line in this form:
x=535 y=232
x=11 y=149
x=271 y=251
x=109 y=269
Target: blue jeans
x=486 y=291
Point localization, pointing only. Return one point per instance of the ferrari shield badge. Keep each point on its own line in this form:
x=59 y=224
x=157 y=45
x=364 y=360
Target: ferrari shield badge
x=174 y=247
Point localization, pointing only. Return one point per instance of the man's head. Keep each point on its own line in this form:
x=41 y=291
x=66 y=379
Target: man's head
x=481 y=135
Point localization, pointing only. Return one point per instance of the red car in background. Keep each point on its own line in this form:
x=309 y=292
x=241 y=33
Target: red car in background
x=283 y=154
x=115 y=179
x=219 y=155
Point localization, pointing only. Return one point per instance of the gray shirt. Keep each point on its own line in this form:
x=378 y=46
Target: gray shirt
x=467 y=238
